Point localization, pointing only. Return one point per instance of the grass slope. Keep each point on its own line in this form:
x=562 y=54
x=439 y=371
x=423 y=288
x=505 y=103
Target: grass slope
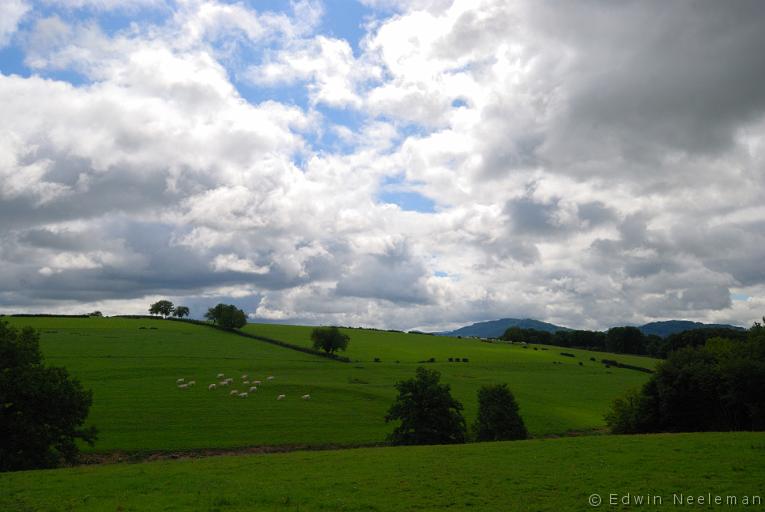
x=539 y=475
x=131 y=366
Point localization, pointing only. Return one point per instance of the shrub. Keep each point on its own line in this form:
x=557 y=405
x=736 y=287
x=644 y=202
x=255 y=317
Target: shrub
x=464 y=359
x=567 y=354
x=498 y=417
x=377 y=359
x=427 y=411
x=581 y=363
x=592 y=359
x=432 y=360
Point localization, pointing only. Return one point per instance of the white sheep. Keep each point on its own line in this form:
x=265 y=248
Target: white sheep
x=220 y=376
x=192 y=383
x=211 y=387
x=230 y=380
x=270 y=377
x=223 y=383
x=281 y=397
x=183 y=386
x=234 y=392
x=245 y=382
x=244 y=376
x=257 y=382
x=253 y=388
x=243 y=395
x=179 y=381
x=306 y=397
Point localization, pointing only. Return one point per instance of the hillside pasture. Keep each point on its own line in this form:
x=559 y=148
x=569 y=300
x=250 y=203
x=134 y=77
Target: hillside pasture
x=132 y=366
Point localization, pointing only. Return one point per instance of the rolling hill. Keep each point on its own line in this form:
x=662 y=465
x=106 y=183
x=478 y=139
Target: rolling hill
x=496 y=328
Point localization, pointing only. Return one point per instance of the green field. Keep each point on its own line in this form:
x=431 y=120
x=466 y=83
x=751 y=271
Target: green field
x=132 y=364
x=536 y=475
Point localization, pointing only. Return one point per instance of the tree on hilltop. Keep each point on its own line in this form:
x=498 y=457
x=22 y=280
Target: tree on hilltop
x=227 y=315
x=162 y=307
x=181 y=311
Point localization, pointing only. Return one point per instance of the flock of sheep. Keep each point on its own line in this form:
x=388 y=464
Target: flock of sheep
x=224 y=381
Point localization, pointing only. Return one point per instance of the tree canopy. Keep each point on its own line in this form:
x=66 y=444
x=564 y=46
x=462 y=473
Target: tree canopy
x=181 y=311
x=42 y=409
x=329 y=339
x=227 y=315
x=498 y=416
x=427 y=411
x=162 y=307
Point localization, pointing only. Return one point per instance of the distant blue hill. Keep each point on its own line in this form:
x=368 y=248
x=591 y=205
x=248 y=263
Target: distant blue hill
x=668 y=327
x=496 y=328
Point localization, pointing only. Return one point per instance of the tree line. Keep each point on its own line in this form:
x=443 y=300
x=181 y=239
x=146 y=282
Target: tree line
x=623 y=340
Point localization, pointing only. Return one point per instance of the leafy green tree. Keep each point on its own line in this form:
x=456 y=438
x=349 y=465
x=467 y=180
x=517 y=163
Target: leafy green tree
x=162 y=307
x=181 y=311
x=427 y=411
x=498 y=417
x=329 y=339
x=715 y=387
x=227 y=315
x=521 y=335
x=42 y=409
x=625 y=340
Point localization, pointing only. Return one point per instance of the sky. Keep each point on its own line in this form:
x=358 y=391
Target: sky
x=419 y=164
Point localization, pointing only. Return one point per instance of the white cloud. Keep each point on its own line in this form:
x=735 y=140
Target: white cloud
x=11 y=13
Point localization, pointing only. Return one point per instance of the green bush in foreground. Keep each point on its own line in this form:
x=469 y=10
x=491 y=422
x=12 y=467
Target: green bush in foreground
x=498 y=417
x=41 y=408
x=427 y=411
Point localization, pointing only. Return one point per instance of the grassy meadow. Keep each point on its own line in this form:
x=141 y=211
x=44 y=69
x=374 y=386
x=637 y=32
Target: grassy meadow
x=536 y=475
x=132 y=365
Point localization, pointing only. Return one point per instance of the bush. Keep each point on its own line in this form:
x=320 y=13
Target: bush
x=593 y=359
x=581 y=363
x=427 y=411
x=567 y=354
x=465 y=360
x=498 y=417
x=451 y=359
x=42 y=409
x=377 y=359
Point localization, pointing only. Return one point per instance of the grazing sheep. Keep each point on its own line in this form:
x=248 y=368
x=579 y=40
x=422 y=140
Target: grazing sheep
x=281 y=397
x=243 y=395
x=192 y=382
x=270 y=377
x=306 y=397
x=230 y=380
x=257 y=382
x=234 y=392
x=220 y=376
x=245 y=382
x=223 y=383
x=211 y=387
x=244 y=376
x=183 y=386
x=253 y=388
x=179 y=381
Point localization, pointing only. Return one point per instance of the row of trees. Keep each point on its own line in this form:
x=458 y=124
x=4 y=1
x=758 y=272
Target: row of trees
x=717 y=386
x=165 y=308
x=622 y=340
x=428 y=413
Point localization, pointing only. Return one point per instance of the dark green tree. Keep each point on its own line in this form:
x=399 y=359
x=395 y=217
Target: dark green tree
x=427 y=411
x=227 y=315
x=42 y=409
x=181 y=311
x=329 y=339
x=162 y=307
x=625 y=340
x=498 y=416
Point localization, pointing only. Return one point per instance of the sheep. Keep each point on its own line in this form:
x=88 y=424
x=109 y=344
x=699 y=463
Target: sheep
x=244 y=376
x=281 y=397
x=243 y=395
x=306 y=397
x=270 y=377
x=192 y=383
x=245 y=382
x=179 y=381
x=211 y=387
x=220 y=376
x=230 y=380
x=234 y=392
x=257 y=382
x=183 y=386
x=223 y=383
x=253 y=388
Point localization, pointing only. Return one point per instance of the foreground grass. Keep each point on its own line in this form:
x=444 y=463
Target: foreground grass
x=132 y=364
x=539 y=475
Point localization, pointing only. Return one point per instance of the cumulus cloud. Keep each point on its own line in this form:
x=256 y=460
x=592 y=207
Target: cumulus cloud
x=590 y=164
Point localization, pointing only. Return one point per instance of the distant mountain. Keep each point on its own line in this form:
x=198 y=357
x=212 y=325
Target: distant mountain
x=496 y=328
x=668 y=327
